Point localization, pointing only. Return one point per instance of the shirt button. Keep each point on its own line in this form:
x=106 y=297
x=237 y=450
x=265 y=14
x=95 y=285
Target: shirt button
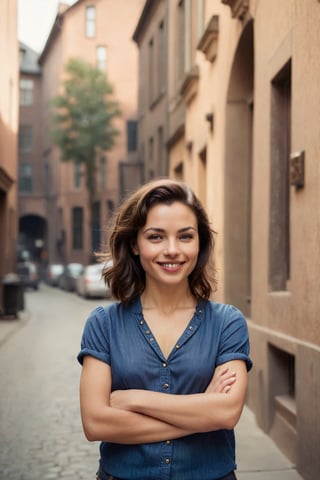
x=164 y=365
x=147 y=332
x=166 y=385
x=151 y=339
x=191 y=327
x=167 y=461
x=168 y=442
x=177 y=346
x=141 y=322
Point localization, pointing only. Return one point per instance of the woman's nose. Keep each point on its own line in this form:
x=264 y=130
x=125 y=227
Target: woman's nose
x=172 y=248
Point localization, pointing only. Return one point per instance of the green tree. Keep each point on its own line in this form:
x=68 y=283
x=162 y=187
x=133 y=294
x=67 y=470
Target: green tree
x=83 y=121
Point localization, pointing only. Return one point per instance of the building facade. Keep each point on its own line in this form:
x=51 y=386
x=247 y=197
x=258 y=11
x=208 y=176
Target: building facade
x=32 y=205
x=8 y=137
x=151 y=38
x=98 y=32
x=243 y=131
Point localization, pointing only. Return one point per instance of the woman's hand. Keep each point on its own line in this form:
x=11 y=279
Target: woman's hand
x=221 y=381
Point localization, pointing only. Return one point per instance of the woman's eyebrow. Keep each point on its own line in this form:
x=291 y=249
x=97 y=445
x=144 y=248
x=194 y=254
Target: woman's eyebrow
x=161 y=230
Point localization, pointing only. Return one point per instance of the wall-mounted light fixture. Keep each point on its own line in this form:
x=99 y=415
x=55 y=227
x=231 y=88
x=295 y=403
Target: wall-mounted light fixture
x=210 y=120
x=297 y=169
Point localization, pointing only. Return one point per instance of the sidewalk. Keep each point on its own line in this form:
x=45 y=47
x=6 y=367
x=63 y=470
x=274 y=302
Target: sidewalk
x=258 y=458
x=8 y=326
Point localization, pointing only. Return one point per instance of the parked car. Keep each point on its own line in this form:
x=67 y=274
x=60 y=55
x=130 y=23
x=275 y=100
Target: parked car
x=90 y=282
x=53 y=273
x=67 y=279
x=28 y=274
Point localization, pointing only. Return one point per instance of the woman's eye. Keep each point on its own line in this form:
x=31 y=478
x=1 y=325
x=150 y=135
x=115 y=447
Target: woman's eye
x=155 y=237
x=186 y=236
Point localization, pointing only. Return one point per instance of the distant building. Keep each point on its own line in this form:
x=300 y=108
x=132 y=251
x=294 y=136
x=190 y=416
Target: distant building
x=8 y=137
x=242 y=104
x=99 y=32
x=32 y=175
x=151 y=36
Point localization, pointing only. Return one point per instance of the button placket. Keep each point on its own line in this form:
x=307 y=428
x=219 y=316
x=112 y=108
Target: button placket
x=166 y=459
x=190 y=329
x=148 y=336
x=165 y=378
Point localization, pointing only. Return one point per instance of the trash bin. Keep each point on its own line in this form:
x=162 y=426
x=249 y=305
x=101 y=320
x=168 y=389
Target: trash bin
x=13 y=294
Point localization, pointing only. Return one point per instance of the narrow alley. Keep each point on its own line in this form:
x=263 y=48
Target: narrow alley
x=41 y=436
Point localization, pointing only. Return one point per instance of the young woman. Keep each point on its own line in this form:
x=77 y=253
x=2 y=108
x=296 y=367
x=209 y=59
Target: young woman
x=164 y=373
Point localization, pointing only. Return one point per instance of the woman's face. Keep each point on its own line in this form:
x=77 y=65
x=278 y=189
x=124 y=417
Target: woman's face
x=168 y=244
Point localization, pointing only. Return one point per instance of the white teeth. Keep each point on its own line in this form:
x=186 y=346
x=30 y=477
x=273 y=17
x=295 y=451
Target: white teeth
x=171 y=265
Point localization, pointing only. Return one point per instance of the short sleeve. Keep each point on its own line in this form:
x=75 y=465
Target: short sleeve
x=234 y=341
x=95 y=337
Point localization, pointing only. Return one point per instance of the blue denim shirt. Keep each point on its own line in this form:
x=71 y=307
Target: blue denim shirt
x=120 y=337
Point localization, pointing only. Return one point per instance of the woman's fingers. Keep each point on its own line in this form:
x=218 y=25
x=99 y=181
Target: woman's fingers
x=222 y=381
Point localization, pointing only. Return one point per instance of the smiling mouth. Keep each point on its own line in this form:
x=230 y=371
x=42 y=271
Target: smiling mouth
x=171 y=265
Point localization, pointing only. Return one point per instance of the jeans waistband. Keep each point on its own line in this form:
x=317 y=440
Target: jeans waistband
x=102 y=476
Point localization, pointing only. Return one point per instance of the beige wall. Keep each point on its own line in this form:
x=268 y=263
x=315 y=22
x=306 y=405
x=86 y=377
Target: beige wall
x=240 y=185
x=8 y=135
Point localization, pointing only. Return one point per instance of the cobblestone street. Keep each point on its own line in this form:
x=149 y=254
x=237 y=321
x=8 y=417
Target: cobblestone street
x=41 y=436
x=40 y=429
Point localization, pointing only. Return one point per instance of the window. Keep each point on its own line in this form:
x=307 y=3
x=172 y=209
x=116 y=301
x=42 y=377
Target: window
x=132 y=135
x=279 y=233
x=187 y=36
x=25 y=138
x=162 y=59
x=151 y=152
x=25 y=178
x=90 y=21
x=103 y=172
x=202 y=176
x=77 y=228
x=102 y=58
x=77 y=174
x=110 y=208
x=95 y=237
x=180 y=41
x=26 y=91
x=178 y=172
x=151 y=71
x=161 y=167
x=282 y=384
x=142 y=90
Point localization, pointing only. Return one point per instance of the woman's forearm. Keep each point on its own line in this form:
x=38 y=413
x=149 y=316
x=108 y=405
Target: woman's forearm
x=125 y=427
x=199 y=412
x=196 y=412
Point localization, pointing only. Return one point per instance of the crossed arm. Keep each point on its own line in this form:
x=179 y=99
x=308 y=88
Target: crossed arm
x=142 y=416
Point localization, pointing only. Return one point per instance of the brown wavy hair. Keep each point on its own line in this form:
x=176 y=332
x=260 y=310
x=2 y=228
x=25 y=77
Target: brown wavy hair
x=124 y=274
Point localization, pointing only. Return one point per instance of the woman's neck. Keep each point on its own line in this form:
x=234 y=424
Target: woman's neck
x=167 y=299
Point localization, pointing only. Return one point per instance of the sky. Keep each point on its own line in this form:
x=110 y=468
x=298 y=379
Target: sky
x=35 y=19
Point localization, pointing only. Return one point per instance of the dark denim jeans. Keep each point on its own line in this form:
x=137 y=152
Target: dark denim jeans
x=101 y=476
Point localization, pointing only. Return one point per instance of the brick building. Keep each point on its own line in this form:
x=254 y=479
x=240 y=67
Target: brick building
x=8 y=137
x=32 y=176
x=99 y=32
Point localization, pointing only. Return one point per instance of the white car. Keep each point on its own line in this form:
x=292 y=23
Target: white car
x=90 y=282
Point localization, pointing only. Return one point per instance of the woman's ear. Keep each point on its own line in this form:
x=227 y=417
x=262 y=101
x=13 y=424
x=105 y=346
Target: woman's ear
x=134 y=249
